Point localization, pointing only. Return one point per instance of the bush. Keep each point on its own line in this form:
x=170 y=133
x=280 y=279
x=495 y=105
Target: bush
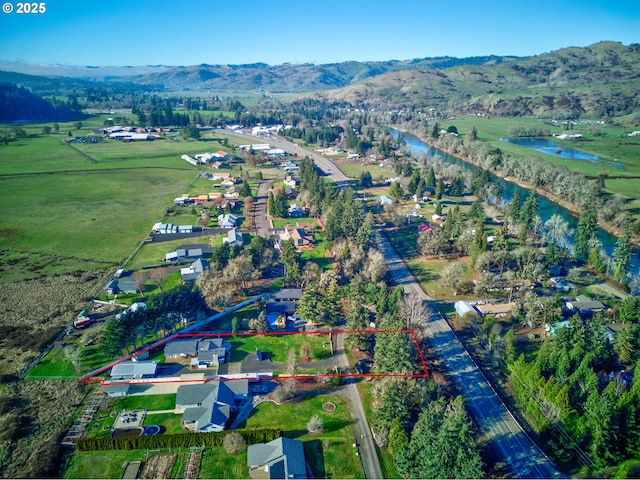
x=234 y=443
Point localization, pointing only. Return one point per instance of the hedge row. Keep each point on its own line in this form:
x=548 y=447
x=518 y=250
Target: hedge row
x=181 y=440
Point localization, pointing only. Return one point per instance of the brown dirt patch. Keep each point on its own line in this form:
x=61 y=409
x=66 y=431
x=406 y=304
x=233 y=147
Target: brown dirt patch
x=159 y=466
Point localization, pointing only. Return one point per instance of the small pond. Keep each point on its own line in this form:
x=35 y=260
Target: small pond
x=552 y=148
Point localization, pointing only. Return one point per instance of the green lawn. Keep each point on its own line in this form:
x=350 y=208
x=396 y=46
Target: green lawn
x=278 y=346
x=54 y=365
x=64 y=213
x=146 y=402
x=101 y=464
x=329 y=452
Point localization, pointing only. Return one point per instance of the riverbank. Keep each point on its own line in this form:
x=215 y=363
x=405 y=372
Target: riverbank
x=569 y=206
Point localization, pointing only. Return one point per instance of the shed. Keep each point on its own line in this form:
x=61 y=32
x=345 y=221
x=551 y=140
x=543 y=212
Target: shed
x=462 y=308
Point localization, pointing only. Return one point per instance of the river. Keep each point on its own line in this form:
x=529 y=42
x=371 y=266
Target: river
x=546 y=207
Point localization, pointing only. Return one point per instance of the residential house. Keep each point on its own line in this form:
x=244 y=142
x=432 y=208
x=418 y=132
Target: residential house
x=232 y=192
x=193 y=271
x=126 y=285
x=291 y=181
x=290 y=167
x=298 y=236
x=198 y=352
x=288 y=295
x=234 y=238
x=227 y=220
x=217 y=165
x=499 y=310
x=207 y=407
x=424 y=227
x=282 y=458
x=584 y=305
x=221 y=155
x=385 y=200
x=133 y=370
x=296 y=211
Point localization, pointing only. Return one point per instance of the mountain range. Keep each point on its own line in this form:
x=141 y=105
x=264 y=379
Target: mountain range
x=600 y=80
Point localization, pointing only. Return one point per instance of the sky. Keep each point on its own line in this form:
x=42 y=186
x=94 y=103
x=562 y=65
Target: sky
x=191 y=32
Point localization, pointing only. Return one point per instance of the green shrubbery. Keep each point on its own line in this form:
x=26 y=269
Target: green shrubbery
x=213 y=439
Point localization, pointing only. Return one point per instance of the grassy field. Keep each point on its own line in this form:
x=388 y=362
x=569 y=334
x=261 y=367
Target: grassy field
x=62 y=211
x=278 y=346
x=610 y=142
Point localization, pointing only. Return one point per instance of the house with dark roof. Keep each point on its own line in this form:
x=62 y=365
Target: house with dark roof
x=584 y=305
x=288 y=295
x=281 y=458
x=197 y=353
x=206 y=407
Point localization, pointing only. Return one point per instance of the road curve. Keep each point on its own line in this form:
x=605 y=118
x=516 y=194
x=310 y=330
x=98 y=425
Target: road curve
x=492 y=417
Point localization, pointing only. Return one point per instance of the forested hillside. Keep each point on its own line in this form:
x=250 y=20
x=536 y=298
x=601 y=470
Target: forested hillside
x=600 y=80
x=17 y=104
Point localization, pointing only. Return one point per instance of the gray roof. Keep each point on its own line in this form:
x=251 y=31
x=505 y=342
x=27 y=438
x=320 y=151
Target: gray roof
x=289 y=294
x=134 y=369
x=209 y=403
x=284 y=456
x=187 y=347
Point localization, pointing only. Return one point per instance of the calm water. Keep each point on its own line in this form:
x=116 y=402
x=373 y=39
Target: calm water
x=552 y=148
x=546 y=208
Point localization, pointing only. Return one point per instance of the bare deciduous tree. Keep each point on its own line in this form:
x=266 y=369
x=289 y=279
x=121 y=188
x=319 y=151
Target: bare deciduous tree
x=139 y=278
x=315 y=424
x=159 y=277
x=234 y=443
x=451 y=276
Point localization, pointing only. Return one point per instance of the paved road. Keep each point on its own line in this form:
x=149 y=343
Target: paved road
x=364 y=439
x=327 y=166
x=260 y=210
x=493 y=419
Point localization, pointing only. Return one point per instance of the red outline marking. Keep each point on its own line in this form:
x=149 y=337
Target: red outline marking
x=92 y=377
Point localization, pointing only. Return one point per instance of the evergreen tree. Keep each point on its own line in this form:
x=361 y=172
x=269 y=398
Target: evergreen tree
x=622 y=256
x=442 y=444
x=396 y=190
x=412 y=187
x=331 y=306
x=431 y=178
x=513 y=210
x=439 y=189
x=585 y=232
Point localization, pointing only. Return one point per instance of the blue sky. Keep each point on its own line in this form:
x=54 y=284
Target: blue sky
x=189 y=32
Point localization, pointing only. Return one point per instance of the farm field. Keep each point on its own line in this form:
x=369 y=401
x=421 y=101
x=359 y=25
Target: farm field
x=62 y=211
x=619 y=152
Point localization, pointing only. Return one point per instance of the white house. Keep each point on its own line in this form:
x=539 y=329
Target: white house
x=227 y=220
x=234 y=238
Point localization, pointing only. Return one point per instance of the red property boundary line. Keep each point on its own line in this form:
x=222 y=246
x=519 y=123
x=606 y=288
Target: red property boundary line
x=92 y=376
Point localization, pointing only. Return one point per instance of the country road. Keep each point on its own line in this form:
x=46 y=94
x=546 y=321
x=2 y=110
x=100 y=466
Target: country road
x=494 y=421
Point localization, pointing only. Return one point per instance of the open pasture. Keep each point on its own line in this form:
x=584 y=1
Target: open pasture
x=84 y=206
